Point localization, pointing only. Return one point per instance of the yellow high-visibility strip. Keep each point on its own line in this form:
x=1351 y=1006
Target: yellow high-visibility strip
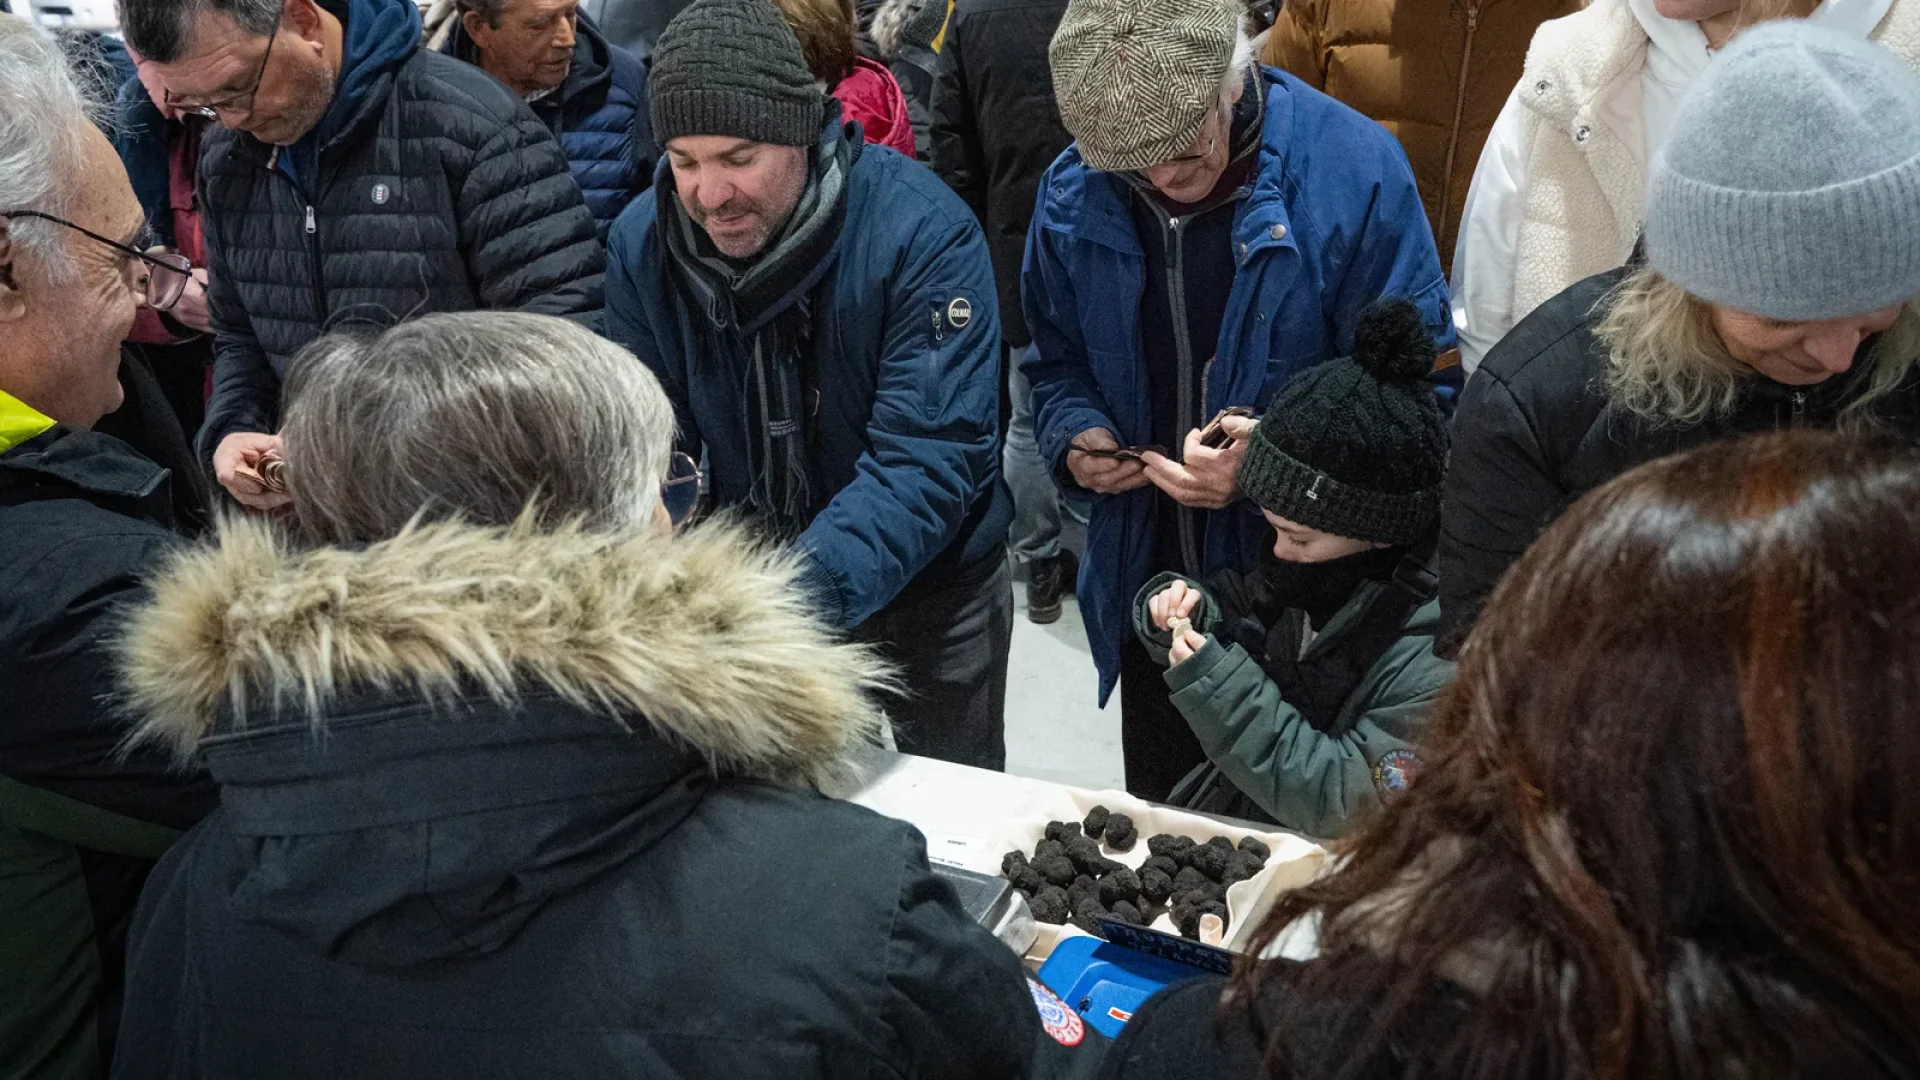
x=19 y=421
x=940 y=38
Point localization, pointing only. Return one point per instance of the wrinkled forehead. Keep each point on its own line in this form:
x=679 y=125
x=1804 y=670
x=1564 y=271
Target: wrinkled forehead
x=220 y=59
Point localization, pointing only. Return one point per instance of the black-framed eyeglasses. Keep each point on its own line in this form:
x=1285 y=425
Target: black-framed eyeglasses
x=166 y=274
x=240 y=104
x=681 y=492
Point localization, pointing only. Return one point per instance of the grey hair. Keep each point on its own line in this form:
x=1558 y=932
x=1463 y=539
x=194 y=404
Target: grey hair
x=1238 y=65
x=43 y=114
x=162 y=30
x=1666 y=363
x=475 y=416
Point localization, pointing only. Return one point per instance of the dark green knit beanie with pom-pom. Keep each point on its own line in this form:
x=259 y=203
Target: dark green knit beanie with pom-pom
x=1357 y=447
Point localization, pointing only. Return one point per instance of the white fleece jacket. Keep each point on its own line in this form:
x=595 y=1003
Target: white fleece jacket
x=1560 y=189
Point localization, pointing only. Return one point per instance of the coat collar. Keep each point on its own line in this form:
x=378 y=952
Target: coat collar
x=700 y=635
x=101 y=468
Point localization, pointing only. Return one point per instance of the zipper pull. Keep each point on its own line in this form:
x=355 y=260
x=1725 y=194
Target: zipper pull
x=1473 y=18
x=311 y=226
x=1799 y=408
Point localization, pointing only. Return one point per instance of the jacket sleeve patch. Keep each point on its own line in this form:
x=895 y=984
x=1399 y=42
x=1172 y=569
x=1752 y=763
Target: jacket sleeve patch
x=1394 y=771
x=1061 y=1023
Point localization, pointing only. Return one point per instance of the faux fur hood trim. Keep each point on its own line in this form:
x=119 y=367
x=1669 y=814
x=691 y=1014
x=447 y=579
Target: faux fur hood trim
x=702 y=634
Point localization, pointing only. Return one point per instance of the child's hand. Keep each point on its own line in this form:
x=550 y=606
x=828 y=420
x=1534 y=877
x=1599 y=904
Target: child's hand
x=1185 y=643
x=1176 y=601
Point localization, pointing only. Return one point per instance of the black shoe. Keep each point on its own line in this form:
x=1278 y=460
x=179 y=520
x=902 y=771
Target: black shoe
x=1048 y=582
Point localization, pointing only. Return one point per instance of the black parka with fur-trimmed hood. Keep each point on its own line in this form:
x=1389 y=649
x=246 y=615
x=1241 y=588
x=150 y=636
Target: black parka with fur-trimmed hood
x=513 y=803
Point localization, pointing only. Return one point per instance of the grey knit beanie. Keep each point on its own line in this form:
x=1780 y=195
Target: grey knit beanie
x=1790 y=186
x=1135 y=78
x=733 y=67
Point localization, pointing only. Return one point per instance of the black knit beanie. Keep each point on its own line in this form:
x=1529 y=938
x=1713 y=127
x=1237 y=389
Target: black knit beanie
x=1357 y=447
x=733 y=67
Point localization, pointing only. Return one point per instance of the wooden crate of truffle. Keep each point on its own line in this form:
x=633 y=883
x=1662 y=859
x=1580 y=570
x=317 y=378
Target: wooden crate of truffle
x=1146 y=865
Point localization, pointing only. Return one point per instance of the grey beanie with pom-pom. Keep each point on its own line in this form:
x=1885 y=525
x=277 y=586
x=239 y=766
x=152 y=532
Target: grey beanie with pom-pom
x=1357 y=447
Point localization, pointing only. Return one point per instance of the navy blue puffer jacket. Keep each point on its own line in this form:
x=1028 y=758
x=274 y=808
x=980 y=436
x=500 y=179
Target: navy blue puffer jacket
x=599 y=116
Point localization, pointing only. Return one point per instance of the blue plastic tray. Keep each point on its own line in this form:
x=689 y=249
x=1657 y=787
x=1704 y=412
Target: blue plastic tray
x=1107 y=983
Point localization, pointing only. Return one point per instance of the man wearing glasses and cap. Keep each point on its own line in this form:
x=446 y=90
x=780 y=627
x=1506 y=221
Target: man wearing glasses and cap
x=85 y=519
x=361 y=179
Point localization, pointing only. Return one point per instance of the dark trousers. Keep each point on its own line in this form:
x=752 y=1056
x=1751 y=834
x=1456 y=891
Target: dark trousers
x=950 y=639
x=1156 y=745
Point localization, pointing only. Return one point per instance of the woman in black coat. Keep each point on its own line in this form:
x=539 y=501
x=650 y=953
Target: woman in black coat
x=1666 y=829
x=1779 y=290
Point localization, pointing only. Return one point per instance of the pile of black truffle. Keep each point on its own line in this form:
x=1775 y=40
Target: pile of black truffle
x=1069 y=880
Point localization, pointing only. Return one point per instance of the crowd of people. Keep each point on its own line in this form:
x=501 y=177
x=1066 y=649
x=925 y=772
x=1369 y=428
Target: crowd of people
x=474 y=492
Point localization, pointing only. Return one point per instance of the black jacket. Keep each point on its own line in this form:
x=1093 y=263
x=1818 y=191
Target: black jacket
x=523 y=885
x=427 y=187
x=995 y=127
x=1535 y=432
x=84 y=518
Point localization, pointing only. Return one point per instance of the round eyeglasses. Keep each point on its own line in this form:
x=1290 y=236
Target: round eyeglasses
x=681 y=492
x=163 y=278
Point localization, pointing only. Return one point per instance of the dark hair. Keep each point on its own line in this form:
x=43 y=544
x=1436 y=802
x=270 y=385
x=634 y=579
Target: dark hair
x=162 y=30
x=828 y=33
x=1671 y=824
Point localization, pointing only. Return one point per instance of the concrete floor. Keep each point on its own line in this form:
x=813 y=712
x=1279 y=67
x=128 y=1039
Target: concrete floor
x=1054 y=732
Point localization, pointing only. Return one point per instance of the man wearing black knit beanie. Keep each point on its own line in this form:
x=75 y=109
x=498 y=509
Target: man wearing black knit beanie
x=1309 y=681
x=822 y=314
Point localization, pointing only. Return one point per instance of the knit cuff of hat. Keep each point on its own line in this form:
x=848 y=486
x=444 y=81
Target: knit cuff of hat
x=1306 y=496
x=736 y=114
x=1800 y=255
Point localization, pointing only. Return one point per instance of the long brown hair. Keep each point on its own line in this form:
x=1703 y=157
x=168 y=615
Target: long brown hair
x=1671 y=822
x=829 y=36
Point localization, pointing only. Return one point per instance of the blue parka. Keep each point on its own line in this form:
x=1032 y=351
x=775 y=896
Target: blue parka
x=1333 y=222
x=906 y=344
x=600 y=117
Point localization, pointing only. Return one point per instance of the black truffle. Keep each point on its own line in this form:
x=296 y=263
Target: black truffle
x=1155 y=885
x=1050 y=905
x=1087 y=859
x=1089 y=920
x=1125 y=912
x=1062 y=830
x=1122 y=884
x=1256 y=848
x=1161 y=863
x=1211 y=861
x=1057 y=869
x=1187 y=879
x=1240 y=867
x=1186 y=919
x=1167 y=844
x=1011 y=862
x=1221 y=842
x=1083 y=893
x=1203 y=894
x=1096 y=822
x=1028 y=880
x=1121 y=833
x=1048 y=847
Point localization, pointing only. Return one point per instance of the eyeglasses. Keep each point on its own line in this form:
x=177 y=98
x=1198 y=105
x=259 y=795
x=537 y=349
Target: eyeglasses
x=166 y=274
x=681 y=493
x=1213 y=142
x=240 y=104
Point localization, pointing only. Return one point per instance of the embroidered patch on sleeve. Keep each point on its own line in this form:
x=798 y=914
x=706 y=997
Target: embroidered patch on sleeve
x=1062 y=1023
x=1394 y=771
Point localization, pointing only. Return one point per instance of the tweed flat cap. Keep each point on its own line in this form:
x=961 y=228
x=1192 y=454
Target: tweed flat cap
x=1136 y=78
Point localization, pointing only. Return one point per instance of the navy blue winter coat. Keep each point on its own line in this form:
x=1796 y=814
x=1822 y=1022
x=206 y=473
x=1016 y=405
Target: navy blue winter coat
x=600 y=117
x=1333 y=222
x=907 y=347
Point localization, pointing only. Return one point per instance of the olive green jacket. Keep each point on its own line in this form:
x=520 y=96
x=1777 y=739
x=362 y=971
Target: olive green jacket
x=1310 y=781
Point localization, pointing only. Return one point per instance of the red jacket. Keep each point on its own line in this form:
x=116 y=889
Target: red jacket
x=871 y=96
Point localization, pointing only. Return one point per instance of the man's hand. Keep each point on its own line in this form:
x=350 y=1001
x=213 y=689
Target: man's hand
x=1176 y=601
x=1185 y=643
x=191 y=309
x=236 y=464
x=1101 y=475
x=1208 y=478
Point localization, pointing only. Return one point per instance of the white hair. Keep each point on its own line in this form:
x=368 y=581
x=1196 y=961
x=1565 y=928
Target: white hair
x=1239 y=65
x=42 y=111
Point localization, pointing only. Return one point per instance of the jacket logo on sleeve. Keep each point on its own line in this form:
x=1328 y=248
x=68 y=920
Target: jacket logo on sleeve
x=1395 y=771
x=1062 y=1023
x=381 y=193
x=959 y=312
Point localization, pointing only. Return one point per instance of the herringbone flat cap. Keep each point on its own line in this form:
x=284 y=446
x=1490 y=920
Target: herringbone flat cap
x=1135 y=78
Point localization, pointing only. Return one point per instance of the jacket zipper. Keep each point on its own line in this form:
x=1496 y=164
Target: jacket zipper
x=1183 y=352
x=1799 y=409
x=1453 y=136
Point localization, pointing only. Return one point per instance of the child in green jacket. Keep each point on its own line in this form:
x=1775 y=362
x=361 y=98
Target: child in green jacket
x=1310 y=678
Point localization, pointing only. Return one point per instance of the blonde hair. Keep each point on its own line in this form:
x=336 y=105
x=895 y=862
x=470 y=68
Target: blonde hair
x=1666 y=363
